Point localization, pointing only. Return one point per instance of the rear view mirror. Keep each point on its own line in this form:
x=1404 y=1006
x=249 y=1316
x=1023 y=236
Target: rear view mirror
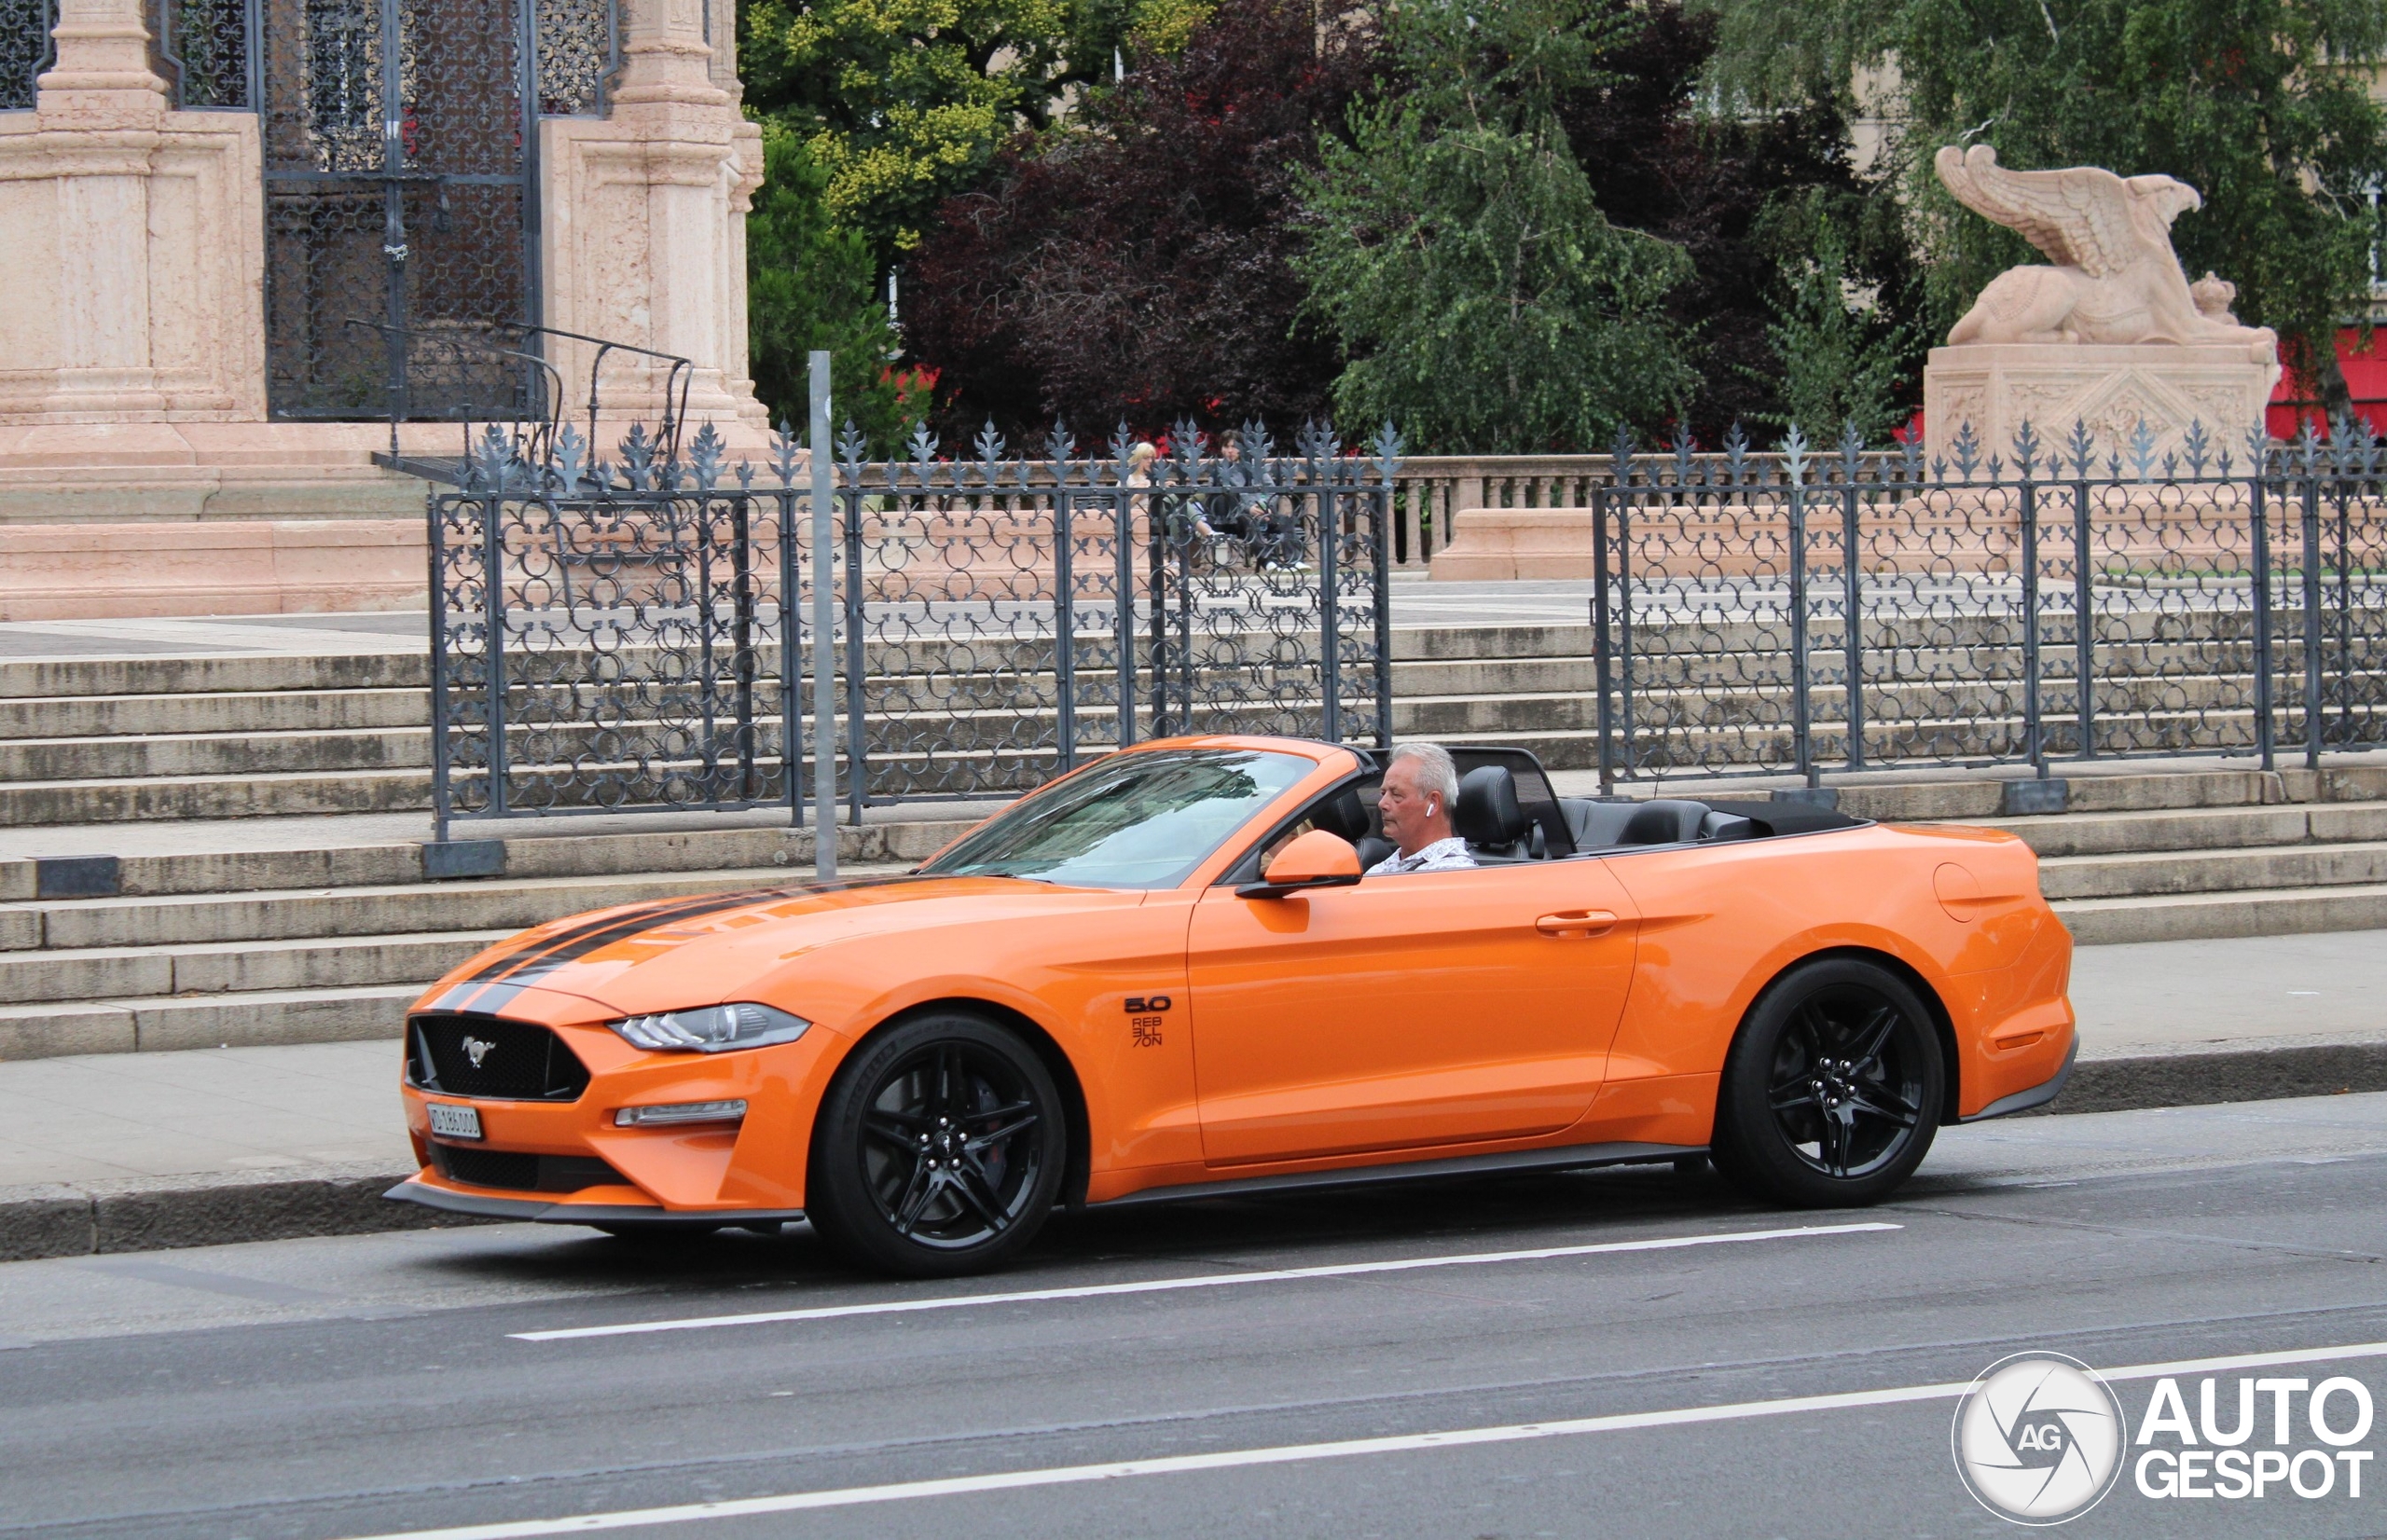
x=1317 y=860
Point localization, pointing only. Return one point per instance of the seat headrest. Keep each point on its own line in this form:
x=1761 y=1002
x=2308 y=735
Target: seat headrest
x=1663 y=821
x=1488 y=812
x=1342 y=814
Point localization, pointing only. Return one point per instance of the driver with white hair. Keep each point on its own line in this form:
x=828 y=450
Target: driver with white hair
x=1419 y=786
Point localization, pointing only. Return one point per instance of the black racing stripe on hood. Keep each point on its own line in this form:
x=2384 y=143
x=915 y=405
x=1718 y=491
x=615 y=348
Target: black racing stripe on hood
x=504 y=978
x=515 y=956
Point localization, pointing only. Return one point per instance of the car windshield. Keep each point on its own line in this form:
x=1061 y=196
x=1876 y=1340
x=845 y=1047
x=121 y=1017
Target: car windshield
x=1132 y=820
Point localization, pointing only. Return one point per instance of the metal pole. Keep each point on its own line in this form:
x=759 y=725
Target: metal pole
x=2034 y=745
x=1853 y=631
x=2312 y=727
x=1330 y=638
x=824 y=630
x=440 y=799
x=1801 y=683
x=2084 y=643
x=1600 y=662
x=791 y=666
x=2259 y=521
x=1065 y=626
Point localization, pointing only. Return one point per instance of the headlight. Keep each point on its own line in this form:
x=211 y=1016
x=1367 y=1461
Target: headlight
x=710 y=1028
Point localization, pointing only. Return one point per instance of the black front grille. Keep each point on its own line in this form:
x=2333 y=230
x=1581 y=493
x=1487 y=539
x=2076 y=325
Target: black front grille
x=520 y=1173
x=516 y=1060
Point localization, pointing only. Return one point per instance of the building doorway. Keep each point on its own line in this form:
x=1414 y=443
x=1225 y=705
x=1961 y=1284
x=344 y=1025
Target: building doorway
x=401 y=197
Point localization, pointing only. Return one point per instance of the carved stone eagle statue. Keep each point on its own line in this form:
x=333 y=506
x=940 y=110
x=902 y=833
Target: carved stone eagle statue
x=2114 y=279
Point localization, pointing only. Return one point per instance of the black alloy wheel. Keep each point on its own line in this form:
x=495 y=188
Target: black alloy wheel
x=1832 y=1091
x=938 y=1149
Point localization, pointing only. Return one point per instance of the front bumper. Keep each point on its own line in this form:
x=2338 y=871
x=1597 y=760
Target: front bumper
x=569 y=1161
x=548 y=1211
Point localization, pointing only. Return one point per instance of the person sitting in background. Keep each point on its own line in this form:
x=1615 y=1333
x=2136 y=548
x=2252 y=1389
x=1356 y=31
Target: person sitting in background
x=1419 y=786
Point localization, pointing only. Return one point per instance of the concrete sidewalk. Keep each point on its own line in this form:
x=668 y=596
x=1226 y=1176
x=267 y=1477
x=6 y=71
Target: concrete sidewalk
x=139 y=1151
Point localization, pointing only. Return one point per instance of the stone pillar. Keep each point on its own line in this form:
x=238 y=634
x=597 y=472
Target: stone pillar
x=644 y=212
x=130 y=235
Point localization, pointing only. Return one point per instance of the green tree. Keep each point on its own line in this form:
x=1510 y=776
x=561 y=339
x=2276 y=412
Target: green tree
x=902 y=103
x=809 y=286
x=1481 y=297
x=1840 y=350
x=2262 y=106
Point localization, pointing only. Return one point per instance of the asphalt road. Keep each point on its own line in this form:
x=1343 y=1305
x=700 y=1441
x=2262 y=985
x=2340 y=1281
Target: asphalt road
x=409 y=1382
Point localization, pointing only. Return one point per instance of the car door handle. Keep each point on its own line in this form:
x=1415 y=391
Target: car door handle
x=1576 y=924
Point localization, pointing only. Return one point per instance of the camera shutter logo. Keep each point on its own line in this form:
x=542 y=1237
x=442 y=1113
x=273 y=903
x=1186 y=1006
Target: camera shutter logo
x=2038 y=1439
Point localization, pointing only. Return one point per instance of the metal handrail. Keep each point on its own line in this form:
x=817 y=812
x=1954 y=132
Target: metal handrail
x=675 y=383
x=541 y=446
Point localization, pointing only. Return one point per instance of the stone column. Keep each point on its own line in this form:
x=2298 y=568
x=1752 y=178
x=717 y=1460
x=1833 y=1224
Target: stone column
x=106 y=108
x=645 y=212
x=129 y=235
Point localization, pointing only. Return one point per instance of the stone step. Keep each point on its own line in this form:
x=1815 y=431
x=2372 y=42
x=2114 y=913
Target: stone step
x=2206 y=916
x=254 y=1020
x=502 y=903
x=2152 y=873
x=99 y=800
x=2191 y=830
x=550 y=852
x=306 y=963
x=32 y=679
x=163 y=755
x=241 y=711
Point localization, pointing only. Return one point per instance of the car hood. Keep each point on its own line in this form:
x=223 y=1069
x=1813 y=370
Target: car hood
x=675 y=953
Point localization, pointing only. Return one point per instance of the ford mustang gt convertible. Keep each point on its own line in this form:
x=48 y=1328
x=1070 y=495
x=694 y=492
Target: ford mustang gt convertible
x=1163 y=976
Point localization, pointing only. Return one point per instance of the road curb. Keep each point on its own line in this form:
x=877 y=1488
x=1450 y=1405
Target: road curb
x=2200 y=1080
x=159 y=1216
x=99 y=1219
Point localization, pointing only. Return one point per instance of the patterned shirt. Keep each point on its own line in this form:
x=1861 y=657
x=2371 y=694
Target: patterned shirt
x=1448 y=855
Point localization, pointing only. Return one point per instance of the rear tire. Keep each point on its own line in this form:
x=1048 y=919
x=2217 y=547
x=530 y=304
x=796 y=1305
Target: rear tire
x=938 y=1150
x=1830 y=1097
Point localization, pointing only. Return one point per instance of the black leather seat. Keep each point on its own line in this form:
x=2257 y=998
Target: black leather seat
x=1496 y=827
x=1599 y=825
x=1344 y=814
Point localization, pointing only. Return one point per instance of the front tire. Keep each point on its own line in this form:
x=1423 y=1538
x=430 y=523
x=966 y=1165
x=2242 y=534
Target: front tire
x=1830 y=1097
x=939 y=1149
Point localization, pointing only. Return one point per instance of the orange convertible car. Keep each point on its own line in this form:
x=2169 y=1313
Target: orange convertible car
x=1163 y=976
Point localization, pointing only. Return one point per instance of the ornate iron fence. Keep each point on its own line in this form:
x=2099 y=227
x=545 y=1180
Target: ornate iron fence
x=26 y=50
x=635 y=635
x=2079 y=600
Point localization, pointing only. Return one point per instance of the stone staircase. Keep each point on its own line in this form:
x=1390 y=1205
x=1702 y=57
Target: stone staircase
x=274 y=926
x=254 y=947
x=2188 y=854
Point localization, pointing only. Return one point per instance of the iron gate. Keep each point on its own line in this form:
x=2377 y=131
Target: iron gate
x=401 y=189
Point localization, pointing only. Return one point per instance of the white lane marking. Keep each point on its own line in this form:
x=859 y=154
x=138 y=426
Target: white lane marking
x=1207 y=1279
x=1286 y=1454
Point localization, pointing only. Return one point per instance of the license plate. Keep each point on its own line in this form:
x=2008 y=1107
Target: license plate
x=455 y=1123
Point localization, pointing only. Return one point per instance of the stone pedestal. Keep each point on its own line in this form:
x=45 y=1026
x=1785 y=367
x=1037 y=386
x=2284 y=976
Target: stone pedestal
x=139 y=471
x=2113 y=387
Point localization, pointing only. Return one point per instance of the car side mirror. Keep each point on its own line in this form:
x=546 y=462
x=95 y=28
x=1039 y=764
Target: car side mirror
x=1317 y=860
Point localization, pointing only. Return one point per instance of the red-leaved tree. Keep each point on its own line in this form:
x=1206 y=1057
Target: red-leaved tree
x=1132 y=263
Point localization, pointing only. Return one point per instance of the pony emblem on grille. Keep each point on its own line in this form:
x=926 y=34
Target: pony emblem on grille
x=475 y=1050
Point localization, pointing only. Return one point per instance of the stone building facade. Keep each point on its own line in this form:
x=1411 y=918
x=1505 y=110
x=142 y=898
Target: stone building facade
x=232 y=232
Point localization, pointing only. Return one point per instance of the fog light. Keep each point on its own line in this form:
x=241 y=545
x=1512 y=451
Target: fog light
x=679 y=1112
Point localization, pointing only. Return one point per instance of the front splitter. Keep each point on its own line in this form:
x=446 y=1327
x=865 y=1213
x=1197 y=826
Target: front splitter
x=546 y=1211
